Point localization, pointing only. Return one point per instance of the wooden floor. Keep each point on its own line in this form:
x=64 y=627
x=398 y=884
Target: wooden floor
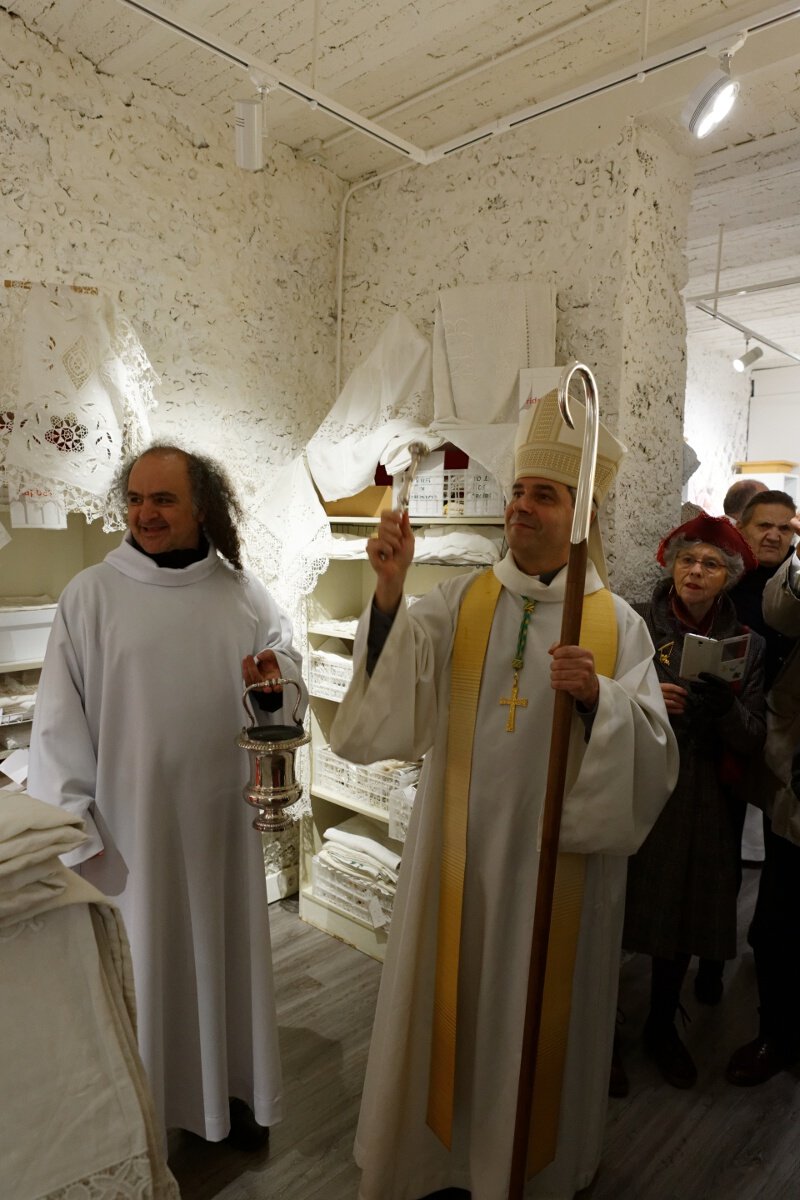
x=715 y=1142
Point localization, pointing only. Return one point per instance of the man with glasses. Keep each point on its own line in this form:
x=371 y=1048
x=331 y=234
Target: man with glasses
x=775 y=933
x=765 y=524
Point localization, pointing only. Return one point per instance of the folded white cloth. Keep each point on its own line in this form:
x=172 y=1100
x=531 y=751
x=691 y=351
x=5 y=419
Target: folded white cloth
x=457 y=546
x=346 y=545
x=355 y=863
x=369 y=837
x=333 y=650
x=32 y=836
x=32 y=831
x=83 y=1123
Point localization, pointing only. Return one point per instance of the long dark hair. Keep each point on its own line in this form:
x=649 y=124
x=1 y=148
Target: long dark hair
x=213 y=495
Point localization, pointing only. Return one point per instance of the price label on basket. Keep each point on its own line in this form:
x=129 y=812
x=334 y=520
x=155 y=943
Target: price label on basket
x=376 y=913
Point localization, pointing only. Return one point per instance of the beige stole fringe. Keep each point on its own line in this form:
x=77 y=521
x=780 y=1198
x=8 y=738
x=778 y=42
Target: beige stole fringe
x=599 y=634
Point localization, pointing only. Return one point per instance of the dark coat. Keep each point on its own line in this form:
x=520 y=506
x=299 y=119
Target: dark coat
x=747 y=597
x=682 y=884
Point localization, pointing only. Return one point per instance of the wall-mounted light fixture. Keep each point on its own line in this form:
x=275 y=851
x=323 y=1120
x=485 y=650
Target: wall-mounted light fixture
x=250 y=124
x=714 y=96
x=249 y=119
x=748 y=358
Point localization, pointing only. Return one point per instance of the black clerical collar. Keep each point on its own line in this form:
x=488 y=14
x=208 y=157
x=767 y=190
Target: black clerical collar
x=176 y=560
x=547 y=577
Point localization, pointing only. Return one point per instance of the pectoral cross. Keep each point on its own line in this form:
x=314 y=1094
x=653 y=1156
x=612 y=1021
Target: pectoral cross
x=514 y=702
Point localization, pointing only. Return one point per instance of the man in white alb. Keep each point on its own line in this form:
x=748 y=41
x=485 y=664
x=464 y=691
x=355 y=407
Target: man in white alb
x=466 y=678
x=135 y=729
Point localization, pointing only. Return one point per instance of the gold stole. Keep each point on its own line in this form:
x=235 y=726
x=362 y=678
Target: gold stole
x=599 y=634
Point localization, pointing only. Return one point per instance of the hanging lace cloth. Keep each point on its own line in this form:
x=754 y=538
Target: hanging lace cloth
x=288 y=533
x=483 y=335
x=387 y=397
x=84 y=390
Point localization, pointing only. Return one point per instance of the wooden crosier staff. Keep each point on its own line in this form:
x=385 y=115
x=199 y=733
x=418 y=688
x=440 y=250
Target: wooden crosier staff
x=557 y=768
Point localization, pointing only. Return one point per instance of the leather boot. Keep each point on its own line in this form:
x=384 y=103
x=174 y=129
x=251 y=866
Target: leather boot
x=668 y=1052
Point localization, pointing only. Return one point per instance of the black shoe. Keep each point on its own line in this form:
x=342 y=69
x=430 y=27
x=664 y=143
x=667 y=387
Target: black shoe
x=708 y=981
x=246 y=1133
x=618 y=1083
x=757 y=1062
x=670 y=1055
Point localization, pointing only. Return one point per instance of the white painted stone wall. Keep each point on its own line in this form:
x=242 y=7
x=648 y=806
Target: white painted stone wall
x=228 y=276
x=607 y=227
x=717 y=402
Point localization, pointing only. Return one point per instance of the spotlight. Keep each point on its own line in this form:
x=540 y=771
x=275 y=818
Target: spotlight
x=710 y=103
x=250 y=133
x=713 y=98
x=748 y=358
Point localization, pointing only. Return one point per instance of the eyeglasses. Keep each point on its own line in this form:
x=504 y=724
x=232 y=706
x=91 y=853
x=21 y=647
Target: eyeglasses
x=709 y=566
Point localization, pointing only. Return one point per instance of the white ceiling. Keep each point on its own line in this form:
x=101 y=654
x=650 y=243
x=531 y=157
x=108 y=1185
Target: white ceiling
x=431 y=72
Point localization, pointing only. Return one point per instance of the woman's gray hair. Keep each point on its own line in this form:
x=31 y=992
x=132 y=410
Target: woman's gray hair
x=734 y=563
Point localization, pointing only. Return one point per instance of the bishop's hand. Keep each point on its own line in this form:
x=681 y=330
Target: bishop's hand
x=391 y=552
x=572 y=670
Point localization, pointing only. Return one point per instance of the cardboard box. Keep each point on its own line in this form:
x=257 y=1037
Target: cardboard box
x=367 y=503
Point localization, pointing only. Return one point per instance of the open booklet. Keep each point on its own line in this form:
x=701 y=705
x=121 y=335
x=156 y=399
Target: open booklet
x=726 y=658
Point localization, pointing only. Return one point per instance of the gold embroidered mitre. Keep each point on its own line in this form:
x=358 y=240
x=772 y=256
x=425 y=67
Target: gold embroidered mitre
x=546 y=448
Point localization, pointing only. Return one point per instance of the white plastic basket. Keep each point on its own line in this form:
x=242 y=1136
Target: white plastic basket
x=371 y=785
x=352 y=896
x=465 y=492
x=328 y=675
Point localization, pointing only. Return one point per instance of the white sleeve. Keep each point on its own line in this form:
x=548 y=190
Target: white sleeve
x=630 y=765
x=63 y=763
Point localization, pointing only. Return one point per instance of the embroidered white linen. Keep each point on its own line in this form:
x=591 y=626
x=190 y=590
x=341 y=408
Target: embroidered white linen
x=84 y=390
x=83 y=1123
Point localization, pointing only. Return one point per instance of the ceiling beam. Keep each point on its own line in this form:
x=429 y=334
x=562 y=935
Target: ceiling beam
x=748 y=333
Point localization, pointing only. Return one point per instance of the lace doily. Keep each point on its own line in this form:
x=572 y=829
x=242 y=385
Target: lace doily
x=282 y=850
x=132 y=1179
x=78 y=401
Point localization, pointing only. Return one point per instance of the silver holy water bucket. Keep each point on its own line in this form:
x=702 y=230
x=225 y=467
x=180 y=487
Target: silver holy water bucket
x=272 y=786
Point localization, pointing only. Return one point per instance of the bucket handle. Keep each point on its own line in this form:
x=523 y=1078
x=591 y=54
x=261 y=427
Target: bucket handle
x=251 y=687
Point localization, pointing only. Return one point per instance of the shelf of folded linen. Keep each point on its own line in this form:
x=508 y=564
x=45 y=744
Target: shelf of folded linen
x=367 y=788
x=443 y=545
x=462 y=546
x=341 y=627
x=355 y=871
x=17 y=696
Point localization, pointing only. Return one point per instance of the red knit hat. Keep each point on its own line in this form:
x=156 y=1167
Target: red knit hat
x=714 y=531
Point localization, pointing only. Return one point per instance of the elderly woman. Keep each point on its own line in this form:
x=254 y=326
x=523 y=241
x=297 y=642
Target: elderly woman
x=682 y=884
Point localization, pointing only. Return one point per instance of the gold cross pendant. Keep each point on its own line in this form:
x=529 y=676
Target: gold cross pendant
x=514 y=701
